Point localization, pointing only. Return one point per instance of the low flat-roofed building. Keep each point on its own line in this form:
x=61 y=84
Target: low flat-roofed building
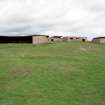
x=56 y=38
x=34 y=39
x=74 y=39
x=99 y=40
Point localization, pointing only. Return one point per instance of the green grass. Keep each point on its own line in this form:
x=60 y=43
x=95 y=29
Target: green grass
x=52 y=74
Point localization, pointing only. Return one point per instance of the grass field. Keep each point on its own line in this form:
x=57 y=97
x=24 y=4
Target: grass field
x=52 y=74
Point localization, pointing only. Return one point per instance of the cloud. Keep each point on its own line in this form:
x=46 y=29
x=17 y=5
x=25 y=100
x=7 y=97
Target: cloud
x=52 y=16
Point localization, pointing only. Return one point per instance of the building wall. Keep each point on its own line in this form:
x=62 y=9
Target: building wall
x=102 y=40
x=40 y=39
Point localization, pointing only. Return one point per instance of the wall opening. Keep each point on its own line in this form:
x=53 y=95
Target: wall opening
x=83 y=40
x=52 y=40
x=71 y=38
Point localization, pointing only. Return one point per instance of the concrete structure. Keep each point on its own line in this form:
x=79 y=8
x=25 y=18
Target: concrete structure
x=99 y=40
x=40 y=39
x=34 y=39
x=56 y=39
x=74 y=39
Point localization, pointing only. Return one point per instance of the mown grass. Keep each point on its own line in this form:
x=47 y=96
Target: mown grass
x=52 y=74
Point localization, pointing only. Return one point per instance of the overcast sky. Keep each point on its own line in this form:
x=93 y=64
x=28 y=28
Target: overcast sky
x=18 y=17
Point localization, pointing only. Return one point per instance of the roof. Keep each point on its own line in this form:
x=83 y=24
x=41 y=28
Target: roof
x=22 y=35
x=56 y=36
x=98 y=37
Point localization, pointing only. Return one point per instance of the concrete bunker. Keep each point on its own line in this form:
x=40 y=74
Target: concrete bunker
x=99 y=40
x=74 y=39
x=56 y=38
x=34 y=39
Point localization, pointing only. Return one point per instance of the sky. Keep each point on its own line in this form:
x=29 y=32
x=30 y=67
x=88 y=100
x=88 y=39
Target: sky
x=53 y=17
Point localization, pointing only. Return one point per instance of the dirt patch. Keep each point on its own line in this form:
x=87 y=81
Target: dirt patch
x=83 y=49
x=21 y=72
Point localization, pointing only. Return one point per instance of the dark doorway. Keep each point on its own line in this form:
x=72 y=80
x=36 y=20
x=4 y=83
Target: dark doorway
x=17 y=39
x=83 y=40
x=52 y=40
